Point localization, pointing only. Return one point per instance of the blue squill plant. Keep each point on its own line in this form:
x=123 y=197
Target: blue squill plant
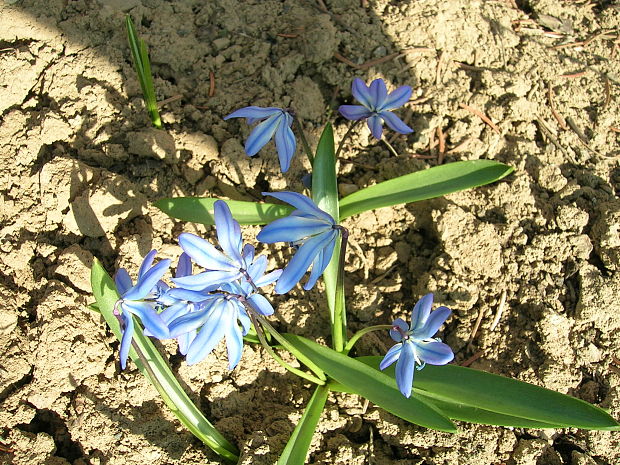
x=226 y=297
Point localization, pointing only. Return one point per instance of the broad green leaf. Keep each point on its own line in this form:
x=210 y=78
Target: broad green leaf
x=325 y=195
x=425 y=184
x=459 y=411
x=155 y=368
x=297 y=446
x=375 y=386
x=200 y=210
x=509 y=397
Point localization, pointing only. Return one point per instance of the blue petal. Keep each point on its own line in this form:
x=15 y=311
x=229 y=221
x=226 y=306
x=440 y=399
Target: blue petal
x=148 y=281
x=191 y=321
x=203 y=281
x=268 y=279
x=395 y=123
x=248 y=253
x=396 y=335
x=420 y=312
x=361 y=93
x=234 y=340
x=378 y=92
x=375 y=124
x=204 y=253
x=146 y=263
x=209 y=335
x=123 y=281
x=434 y=352
x=185 y=341
x=257 y=267
x=180 y=293
x=321 y=261
x=433 y=323
x=405 y=368
x=184 y=267
x=175 y=311
x=300 y=262
x=354 y=112
x=261 y=304
x=292 y=229
x=126 y=340
x=228 y=231
x=256 y=113
x=301 y=202
x=285 y=142
x=150 y=319
x=391 y=356
x=397 y=98
x=261 y=134
x=244 y=319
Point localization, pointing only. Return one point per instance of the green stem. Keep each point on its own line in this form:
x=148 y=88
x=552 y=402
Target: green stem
x=389 y=146
x=362 y=332
x=344 y=138
x=304 y=141
x=276 y=357
x=339 y=326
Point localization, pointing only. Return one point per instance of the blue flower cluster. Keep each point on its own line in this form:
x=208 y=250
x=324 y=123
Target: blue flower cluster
x=204 y=308
x=219 y=301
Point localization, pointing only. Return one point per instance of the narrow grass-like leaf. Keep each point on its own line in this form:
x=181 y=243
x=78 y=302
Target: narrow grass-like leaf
x=425 y=184
x=140 y=55
x=158 y=371
x=200 y=210
x=508 y=397
x=375 y=386
x=325 y=195
x=297 y=446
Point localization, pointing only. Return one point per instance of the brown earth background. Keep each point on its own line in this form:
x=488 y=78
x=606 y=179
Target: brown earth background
x=81 y=167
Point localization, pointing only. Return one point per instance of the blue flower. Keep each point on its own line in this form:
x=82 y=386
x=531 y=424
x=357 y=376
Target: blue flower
x=221 y=266
x=274 y=121
x=219 y=316
x=134 y=300
x=375 y=106
x=308 y=228
x=416 y=345
x=223 y=314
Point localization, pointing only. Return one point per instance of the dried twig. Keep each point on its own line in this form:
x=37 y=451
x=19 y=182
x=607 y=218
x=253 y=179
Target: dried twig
x=473 y=358
x=552 y=138
x=574 y=75
x=480 y=115
x=442 y=145
x=211 y=83
x=287 y=36
x=460 y=147
x=555 y=114
x=500 y=310
x=607 y=100
x=474 y=331
x=165 y=102
x=345 y=60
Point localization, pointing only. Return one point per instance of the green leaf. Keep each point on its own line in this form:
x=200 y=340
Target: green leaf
x=200 y=210
x=325 y=195
x=155 y=368
x=458 y=385
x=140 y=55
x=375 y=386
x=297 y=446
x=422 y=185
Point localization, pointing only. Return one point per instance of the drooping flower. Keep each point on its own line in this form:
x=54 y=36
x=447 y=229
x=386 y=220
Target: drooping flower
x=275 y=121
x=221 y=266
x=416 y=345
x=138 y=300
x=376 y=106
x=308 y=228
